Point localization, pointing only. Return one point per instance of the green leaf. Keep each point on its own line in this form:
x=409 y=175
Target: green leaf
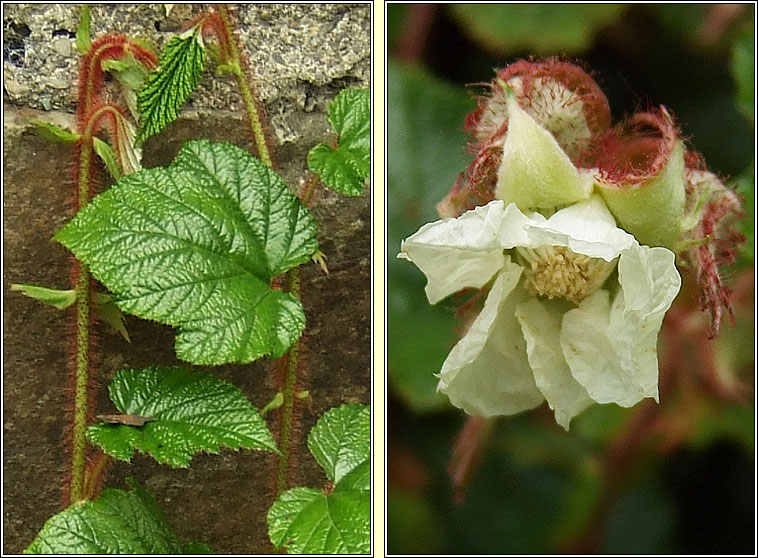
x=51 y=132
x=345 y=168
x=311 y=521
x=104 y=304
x=131 y=74
x=190 y=412
x=742 y=66
x=119 y=522
x=307 y=521
x=358 y=478
x=108 y=156
x=106 y=309
x=425 y=154
x=744 y=185
x=538 y=28
x=341 y=439
x=195 y=245
x=54 y=297
x=168 y=88
x=127 y=157
x=83 y=38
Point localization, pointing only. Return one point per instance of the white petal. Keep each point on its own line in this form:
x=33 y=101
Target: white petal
x=487 y=372
x=586 y=227
x=466 y=251
x=611 y=350
x=541 y=324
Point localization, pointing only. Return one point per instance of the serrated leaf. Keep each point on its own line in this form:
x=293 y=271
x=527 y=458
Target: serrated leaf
x=345 y=168
x=54 y=297
x=310 y=521
x=357 y=479
x=307 y=521
x=108 y=156
x=119 y=522
x=51 y=132
x=341 y=439
x=168 y=88
x=83 y=38
x=189 y=411
x=195 y=245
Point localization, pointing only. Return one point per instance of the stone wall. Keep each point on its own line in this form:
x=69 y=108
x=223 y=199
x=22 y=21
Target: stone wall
x=300 y=57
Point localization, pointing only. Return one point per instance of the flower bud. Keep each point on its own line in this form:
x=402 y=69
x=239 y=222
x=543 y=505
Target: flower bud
x=535 y=172
x=562 y=100
x=710 y=239
x=641 y=177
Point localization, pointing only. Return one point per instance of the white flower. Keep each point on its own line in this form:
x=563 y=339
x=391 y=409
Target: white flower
x=557 y=324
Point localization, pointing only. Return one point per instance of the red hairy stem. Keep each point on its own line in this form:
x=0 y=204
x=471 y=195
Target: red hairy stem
x=415 y=35
x=95 y=474
x=238 y=64
x=221 y=24
x=92 y=112
x=92 y=76
x=468 y=451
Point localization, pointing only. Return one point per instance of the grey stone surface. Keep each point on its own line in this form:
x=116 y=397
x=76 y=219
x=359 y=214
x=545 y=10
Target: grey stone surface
x=221 y=499
x=298 y=55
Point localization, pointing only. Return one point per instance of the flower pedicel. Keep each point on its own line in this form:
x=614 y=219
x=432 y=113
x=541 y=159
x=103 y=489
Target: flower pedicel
x=574 y=227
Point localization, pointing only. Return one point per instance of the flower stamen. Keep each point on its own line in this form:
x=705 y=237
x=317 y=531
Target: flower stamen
x=558 y=271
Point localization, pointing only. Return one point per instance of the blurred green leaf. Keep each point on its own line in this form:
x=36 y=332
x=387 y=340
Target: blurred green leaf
x=686 y=20
x=599 y=423
x=744 y=185
x=108 y=156
x=83 y=35
x=425 y=155
x=538 y=28
x=395 y=20
x=642 y=521
x=734 y=422
x=413 y=525
x=742 y=65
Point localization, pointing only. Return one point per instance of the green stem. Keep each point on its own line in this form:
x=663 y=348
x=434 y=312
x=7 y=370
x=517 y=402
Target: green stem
x=287 y=410
x=246 y=89
x=79 y=440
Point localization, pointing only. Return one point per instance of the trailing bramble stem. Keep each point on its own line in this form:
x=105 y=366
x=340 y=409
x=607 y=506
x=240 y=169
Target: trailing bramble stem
x=246 y=89
x=79 y=441
x=90 y=112
x=93 y=478
x=287 y=410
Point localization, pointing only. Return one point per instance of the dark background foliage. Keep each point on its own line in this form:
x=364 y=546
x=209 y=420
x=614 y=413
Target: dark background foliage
x=677 y=477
